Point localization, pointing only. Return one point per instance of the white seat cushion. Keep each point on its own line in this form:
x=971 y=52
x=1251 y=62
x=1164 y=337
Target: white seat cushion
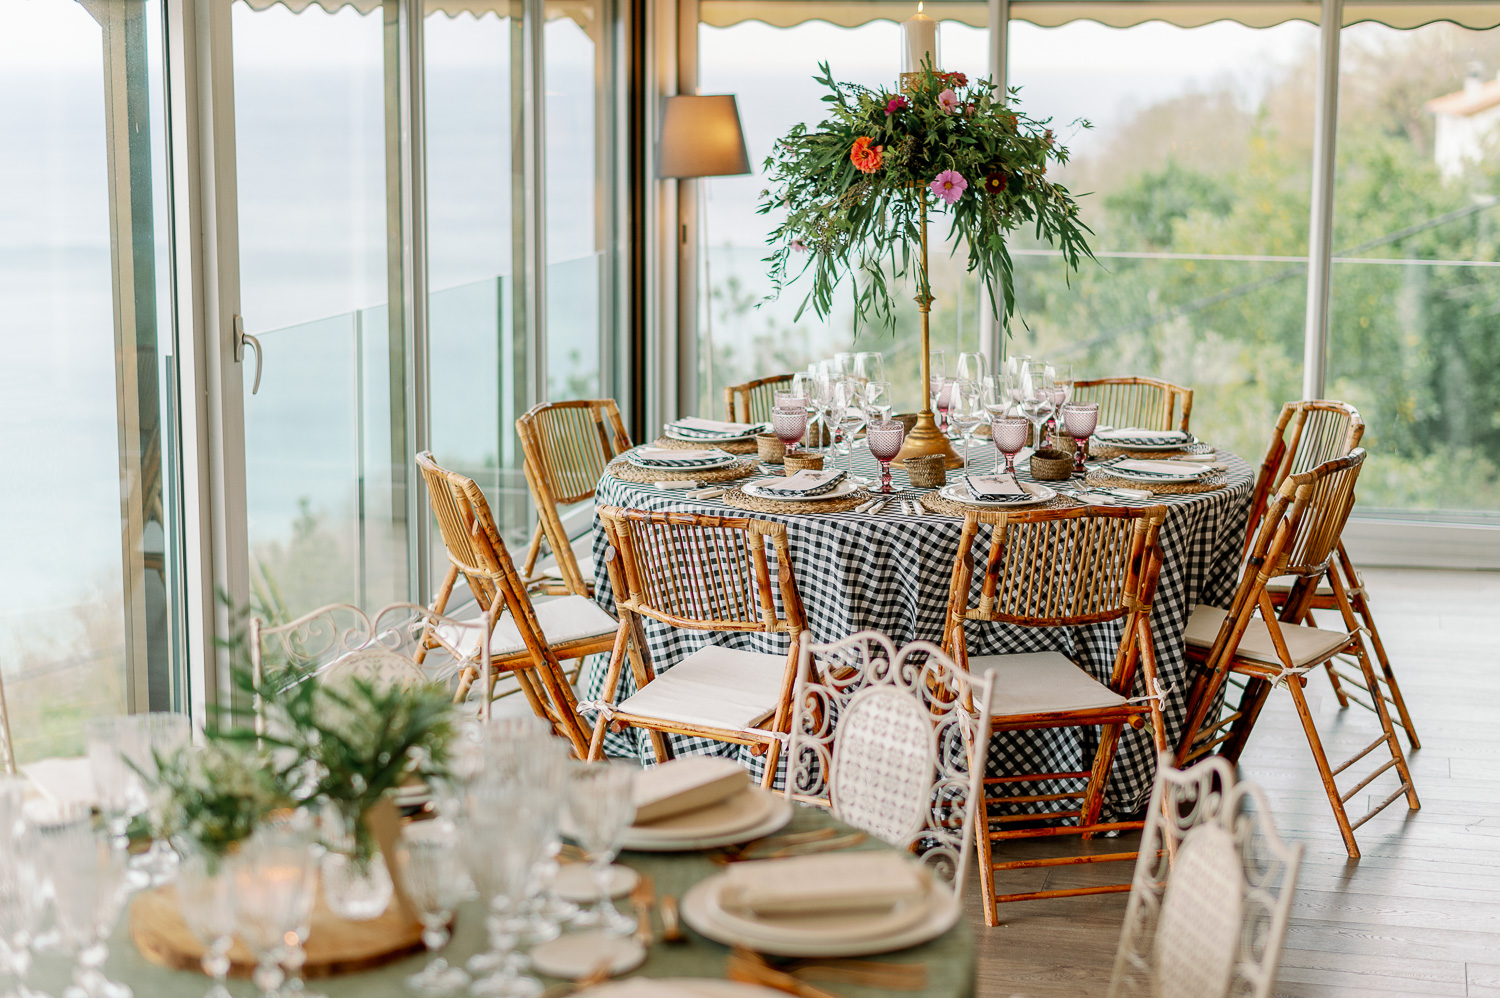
x=566 y=618
x=1307 y=645
x=583 y=553
x=714 y=687
x=1042 y=682
x=1282 y=588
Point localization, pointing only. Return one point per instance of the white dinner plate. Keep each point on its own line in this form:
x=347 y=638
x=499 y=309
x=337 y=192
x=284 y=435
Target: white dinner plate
x=777 y=818
x=959 y=492
x=705 y=466
x=698 y=987
x=847 y=487
x=746 y=809
x=1191 y=473
x=942 y=914
x=821 y=926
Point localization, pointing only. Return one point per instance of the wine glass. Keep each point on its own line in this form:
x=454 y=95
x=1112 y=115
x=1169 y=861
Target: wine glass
x=834 y=403
x=22 y=897
x=789 y=424
x=869 y=365
x=275 y=876
x=1080 y=419
x=434 y=877
x=205 y=897
x=502 y=840
x=999 y=395
x=853 y=415
x=885 y=438
x=878 y=399
x=1035 y=398
x=1009 y=434
x=1060 y=384
x=936 y=369
x=966 y=412
x=843 y=364
x=121 y=792
x=824 y=380
x=601 y=801
x=803 y=385
x=1013 y=365
x=88 y=875
x=971 y=367
x=162 y=735
x=942 y=401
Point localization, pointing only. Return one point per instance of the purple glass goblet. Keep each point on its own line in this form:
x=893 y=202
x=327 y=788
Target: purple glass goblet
x=1080 y=419
x=789 y=424
x=1010 y=434
x=885 y=439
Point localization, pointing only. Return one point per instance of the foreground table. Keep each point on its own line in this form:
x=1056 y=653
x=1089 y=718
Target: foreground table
x=890 y=573
x=949 y=959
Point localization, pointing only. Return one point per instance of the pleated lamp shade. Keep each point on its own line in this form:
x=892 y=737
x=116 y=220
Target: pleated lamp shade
x=701 y=137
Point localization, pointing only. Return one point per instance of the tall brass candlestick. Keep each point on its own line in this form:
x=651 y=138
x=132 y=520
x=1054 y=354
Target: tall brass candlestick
x=925 y=438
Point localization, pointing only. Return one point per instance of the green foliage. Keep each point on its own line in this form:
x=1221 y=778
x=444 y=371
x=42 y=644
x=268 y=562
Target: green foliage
x=1154 y=201
x=855 y=190
x=213 y=797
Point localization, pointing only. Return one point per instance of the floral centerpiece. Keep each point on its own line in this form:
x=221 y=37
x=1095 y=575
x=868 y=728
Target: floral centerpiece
x=856 y=189
x=208 y=800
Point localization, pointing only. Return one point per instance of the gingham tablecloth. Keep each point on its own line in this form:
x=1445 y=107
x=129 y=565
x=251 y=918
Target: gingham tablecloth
x=890 y=573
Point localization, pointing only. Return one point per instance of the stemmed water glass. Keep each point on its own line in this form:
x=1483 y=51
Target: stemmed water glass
x=503 y=839
x=121 y=792
x=966 y=413
x=1080 y=419
x=942 y=401
x=433 y=876
x=205 y=897
x=869 y=366
x=878 y=399
x=1009 y=434
x=162 y=735
x=824 y=382
x=999 y=395
x=1060 y=385
x=789 y=424
x=971 y=367
x=834 y=400
x=803 y=386
x=88 y=890
x=843 y=364
x=275 y=880
x=1035 y=398
x=601 y=802
x=885 y=438
x=853 y=415
x=22 y=886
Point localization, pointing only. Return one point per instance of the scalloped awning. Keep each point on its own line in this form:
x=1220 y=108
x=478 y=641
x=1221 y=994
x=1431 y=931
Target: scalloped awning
x=581 y=11
x=1116 y=14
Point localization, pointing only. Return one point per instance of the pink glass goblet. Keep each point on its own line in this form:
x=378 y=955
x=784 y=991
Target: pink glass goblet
x=789 y=424
x=1010 y=434
x=942 y=400
x=1080 y=419
x=885 y=439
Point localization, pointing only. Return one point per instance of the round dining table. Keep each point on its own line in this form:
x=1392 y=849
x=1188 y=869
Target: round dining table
x=889 y=571
x=948 y=959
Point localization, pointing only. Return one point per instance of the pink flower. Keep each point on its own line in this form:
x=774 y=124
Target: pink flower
x=948 y=101
x=949 y=185
x=893 y=105
x=799 y=246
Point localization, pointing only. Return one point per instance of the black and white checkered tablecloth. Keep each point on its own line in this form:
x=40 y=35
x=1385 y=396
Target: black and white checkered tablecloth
x=890 y=573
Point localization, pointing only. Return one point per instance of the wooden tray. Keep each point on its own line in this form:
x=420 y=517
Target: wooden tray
x=333 y=947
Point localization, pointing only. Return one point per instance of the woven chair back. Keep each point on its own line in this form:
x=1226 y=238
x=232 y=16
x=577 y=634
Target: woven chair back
x=752 y=402
x=1142 y=402
x=1320 y=501
x=567 y=446
x=1308 y=433
x=707 y=573
x=468 y=529
x=1058 y=567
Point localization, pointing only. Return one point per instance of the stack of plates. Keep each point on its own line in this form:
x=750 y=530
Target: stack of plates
x=1144 y=441
x=712 y=430
x=1159 y=472
x=758 y=488
x=1035 y=496
x=714 y=908
x=748 y=814
x=665 y=458
x=680 y=987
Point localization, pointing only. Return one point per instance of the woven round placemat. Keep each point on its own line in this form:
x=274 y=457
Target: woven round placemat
x=627 y=472
x=937 y=503
x=1103 y=452
x=1216 y=480
x=740 y=499
x=745 y=447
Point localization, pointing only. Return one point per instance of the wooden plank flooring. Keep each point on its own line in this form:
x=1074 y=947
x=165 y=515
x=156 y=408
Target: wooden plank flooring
x=1419 y=914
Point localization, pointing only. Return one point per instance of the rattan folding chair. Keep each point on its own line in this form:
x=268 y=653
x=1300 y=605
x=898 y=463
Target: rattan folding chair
x=1250 y=643
x=1213 y=889
x=566 y=446
x=752 y=402
x=1307 y=434
x=7 y=747
x=1141 y=402
x=702 y=573
x=1059 y=568
x=885 y=739
x=527 y=639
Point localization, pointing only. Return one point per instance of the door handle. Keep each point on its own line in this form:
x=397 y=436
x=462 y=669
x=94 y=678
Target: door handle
x=241 y=340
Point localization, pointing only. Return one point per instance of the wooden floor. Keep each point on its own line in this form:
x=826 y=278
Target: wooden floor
x=1419 y=914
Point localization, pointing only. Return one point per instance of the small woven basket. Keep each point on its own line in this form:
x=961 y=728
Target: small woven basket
x=803 y=462
x=770 y=448
x=929 y=472
x=1051 y=466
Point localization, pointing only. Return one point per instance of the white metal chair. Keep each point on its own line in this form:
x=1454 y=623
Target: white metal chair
x=886 y=739
x=1212 y=893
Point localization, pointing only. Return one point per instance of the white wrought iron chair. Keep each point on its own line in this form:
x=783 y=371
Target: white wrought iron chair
x=886 y=739
x=1212 y=892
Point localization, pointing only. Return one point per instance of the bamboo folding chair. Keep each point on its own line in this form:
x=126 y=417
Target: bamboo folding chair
x=7 y=747
x=1145 y=403
x=702 y=573
x=1308 y=434
x=1213 y=890
x=752 y=402
x=1060 y=568
x=566 y=446
x=1298 y=538
x=526 y=639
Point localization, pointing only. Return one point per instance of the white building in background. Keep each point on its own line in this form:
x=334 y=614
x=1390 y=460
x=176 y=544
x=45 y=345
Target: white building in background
x=1466 y=122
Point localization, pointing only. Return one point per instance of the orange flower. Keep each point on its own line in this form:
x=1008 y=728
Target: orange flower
x=866 y=158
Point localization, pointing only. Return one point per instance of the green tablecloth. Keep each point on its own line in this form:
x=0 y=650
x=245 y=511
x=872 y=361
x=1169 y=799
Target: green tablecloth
x=949 y=959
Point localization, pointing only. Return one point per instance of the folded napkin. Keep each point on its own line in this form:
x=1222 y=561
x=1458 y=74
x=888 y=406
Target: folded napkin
x=643 y=987
x=828 y=883
x=687 y=784
x=667 y=455
x=1136 y=433
x=709 y=428
x=62 y=782
x=804 y=483
x=993 y=486
x=1166 y=469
